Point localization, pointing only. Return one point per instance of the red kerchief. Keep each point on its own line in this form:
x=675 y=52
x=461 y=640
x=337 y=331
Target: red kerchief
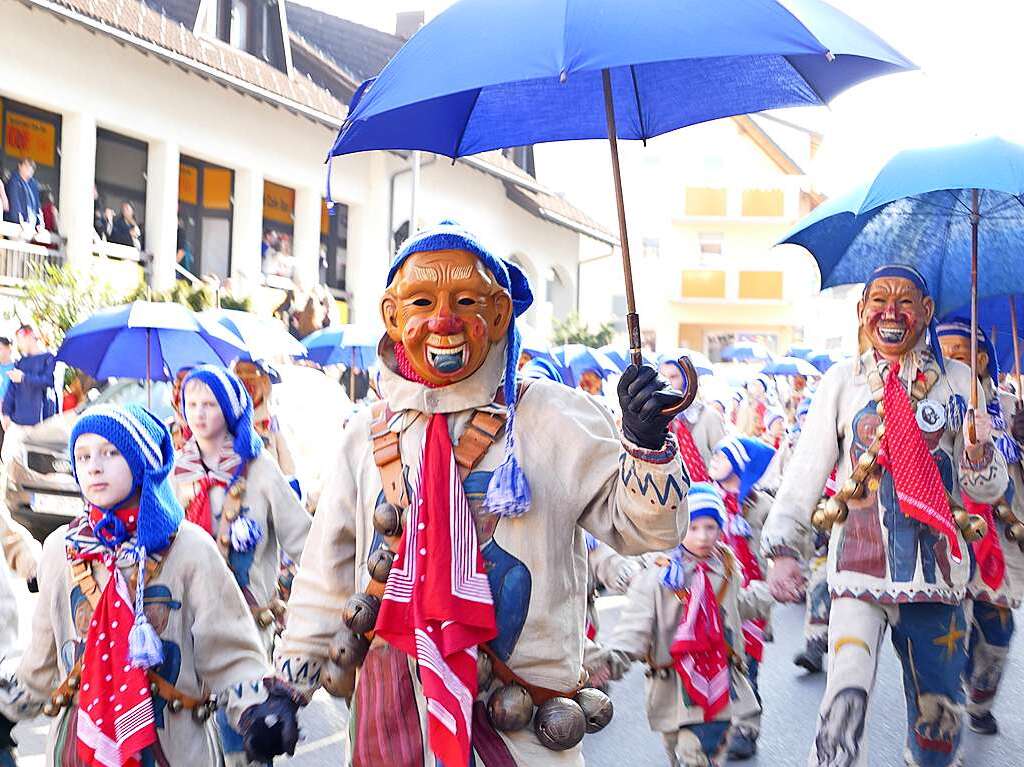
x=699 y=649
x=689 y=451
x=988 y=551
x=437 y=605
x=914 y=472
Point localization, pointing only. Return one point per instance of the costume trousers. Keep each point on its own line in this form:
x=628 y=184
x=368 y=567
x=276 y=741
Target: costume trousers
x=991 y=632
x=819 y=603
x=930 y=640
x=746 y=704
x=697 y=745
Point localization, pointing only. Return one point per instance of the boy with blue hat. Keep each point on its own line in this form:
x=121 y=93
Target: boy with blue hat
x=684 y=619
x=395 y=518
x=895 y=421
x=132 y=541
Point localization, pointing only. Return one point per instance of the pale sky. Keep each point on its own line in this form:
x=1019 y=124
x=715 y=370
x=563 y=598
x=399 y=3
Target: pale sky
x=969 y=53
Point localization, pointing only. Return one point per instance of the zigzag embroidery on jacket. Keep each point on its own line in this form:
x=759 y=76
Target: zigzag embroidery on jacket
x=302 y=676
x=662 y=487
x=239 y=689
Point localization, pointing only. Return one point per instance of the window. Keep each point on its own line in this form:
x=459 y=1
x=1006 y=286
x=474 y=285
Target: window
x=33 y=133
x=522 y=156
x=238 y=27
x=333 y=246
x=763 y=202
x=705 y=201
x=761 y=286
x=652 y=247
x=710 y=244
x=253 y=26
x=278 y=230
x=205 y=210
x=120 y=179
x=703 y=283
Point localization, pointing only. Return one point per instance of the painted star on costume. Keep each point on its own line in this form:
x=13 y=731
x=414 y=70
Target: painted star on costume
x=950 y=639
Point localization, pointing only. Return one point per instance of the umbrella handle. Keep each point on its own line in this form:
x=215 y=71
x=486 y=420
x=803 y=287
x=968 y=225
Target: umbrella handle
x=689 y=394
x=972 y=429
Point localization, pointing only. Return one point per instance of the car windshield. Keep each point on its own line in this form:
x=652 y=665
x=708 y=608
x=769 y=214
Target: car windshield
x=132 y=391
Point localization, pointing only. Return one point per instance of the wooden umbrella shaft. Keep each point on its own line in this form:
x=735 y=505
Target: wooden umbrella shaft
x=974 y=313
x=632 y=318
x=1016 y=350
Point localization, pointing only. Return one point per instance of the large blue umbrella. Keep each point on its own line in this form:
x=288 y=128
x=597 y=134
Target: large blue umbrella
x=803 y=352
x=790 y=366
x=746 y=351
x=1005 y=316
x=824 y=360
x=615 y=353
x=347 y=345
x=265 y=338
x=699 y=361
x=147 y=340
x=488 y=74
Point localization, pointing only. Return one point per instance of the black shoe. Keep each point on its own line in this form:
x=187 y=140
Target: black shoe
x=984 y=724
x=809 y=660
x=742 y=746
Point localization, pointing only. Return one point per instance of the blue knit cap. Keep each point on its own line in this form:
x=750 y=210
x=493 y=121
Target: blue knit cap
x=235 y=404
x=146 y=445
x=749 y=459
x=539 y=367
x=907 y=272
x=704 y=500
x=508 y=493
x=962 y=329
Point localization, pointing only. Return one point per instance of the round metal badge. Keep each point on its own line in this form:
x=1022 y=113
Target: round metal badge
x=931 y=416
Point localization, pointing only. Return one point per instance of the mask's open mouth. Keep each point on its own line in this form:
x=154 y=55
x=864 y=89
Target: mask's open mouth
x=447 y=354
x=892 y=333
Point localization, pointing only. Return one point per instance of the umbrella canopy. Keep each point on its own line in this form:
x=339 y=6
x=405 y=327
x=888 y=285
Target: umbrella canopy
x=531 y=71
x=918 y=210
x=994 y=312
x=265 y=338
x=700 y=361
x=620 y=356
x=146 y=339
x=790 y=366
x=745 y=351
x=824 y=360
x=803 y=352
x=576 y=359
x=347 y=345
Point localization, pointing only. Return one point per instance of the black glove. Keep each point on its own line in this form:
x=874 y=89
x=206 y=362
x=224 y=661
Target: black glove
x=1017 y=430
x=271 y=728
x=6 y=740
x=33 y=585
x=643 y=395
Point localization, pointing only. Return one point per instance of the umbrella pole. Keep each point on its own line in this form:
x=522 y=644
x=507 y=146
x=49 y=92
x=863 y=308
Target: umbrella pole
x=974 y=312
x=1016 y=352
x=149 y=378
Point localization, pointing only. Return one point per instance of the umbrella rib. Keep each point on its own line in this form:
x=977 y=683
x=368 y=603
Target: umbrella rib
x=958 y=200
x=639 y=112
x=462 y=133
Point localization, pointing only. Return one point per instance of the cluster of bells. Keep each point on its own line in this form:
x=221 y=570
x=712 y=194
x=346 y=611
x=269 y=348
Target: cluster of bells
x=59 y=701
x=833 y=511
x=271 y=614
x=559 y=722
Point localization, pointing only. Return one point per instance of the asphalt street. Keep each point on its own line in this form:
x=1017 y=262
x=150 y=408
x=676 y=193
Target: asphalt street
x=790 y=698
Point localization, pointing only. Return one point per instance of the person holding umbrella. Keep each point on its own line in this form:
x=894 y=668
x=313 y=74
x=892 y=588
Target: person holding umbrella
x=457 y=454
x=997 y=583
x=896 y=421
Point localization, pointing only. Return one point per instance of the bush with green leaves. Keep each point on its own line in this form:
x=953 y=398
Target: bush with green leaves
x=573 y=330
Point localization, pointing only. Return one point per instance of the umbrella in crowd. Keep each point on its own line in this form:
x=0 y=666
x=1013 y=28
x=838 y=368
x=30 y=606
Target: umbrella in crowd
x=699 y=361
x=790 y=366
x=936 y=209
x=265 y=338
x=576 y=359
x=824 y=360
x=746 y=351
x=347 y=345
x=803 y=352
x=616 y=355
x=555 y=70
x=147 y=340
x=1001 y=317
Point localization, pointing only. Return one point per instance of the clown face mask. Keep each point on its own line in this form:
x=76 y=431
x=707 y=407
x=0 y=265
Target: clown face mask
x=447 y=310
x=893 y=313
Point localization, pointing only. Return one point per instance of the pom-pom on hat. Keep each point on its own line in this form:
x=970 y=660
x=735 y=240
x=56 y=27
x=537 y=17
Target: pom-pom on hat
x=749 y=459
x=146 y=445
x=235 y=403
x=704 y=500
x=508 y=493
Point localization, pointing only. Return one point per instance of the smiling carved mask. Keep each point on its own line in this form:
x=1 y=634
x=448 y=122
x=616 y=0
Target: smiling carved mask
x=893 y=313
x=446 y=310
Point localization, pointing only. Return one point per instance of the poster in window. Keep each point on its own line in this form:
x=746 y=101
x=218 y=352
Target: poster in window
x=30 y=137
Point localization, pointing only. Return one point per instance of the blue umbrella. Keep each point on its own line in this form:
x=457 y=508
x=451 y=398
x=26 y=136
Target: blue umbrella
x=347 y=345
x=803 y=352
x=699 y=361
x=790 y=366
x=824 y=360
x=616 y=355
x=1004 y=315
x=746 y=351
x=147 y=340
x=264 y=337
x=576 y=359
x=533 y=71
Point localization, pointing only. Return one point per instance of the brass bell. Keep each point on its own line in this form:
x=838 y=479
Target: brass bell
x=348 y=649
x=597 y=708
x=59 y=701
x=484 y=671
x=264 y=618
x=73 y=682
x=880 y=431
x=379 y=564
x=49 y=709
x=236 y=489
x=360 y=613
x=962 y=518
x=977 y=528
x=1015 y=532
x=277 y=607
x=387 y=520
x=231 y=512
x=510 y=708
x=880 y=409
x=560 y=724
x=338 y=682
x=224 y=540
x=174 y=705
x=201 y=712
x=819 y=520
x=154 y=688
x=835 y=511
x=860 y=473
x=1005 y=513
x=866 y=462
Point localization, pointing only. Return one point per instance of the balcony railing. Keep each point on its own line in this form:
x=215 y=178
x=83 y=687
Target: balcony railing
x=19 y=257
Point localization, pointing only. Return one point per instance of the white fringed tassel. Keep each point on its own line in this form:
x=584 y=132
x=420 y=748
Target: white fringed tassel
x=246 y=534
x=145 y=649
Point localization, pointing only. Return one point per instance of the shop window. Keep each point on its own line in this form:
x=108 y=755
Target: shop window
x=705 y=201
x=205 y=211
x=703 y=283
x=762 y=286
x=763 y=202
x=278 y=231
x=120 y=205
x=35 y=134
x=334 y=246
x=710 y=244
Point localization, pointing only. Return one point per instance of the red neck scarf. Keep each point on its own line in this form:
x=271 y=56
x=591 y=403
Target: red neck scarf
x=988 y=552
x=914 y=473
x=115 y=708
x=407 y=371
x=437 y=604
x=750 y=567
x=698 y=647
x=691 y=456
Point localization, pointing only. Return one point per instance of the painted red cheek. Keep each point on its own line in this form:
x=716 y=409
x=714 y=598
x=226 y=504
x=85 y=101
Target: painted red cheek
x=415 y=328
x=476 y=327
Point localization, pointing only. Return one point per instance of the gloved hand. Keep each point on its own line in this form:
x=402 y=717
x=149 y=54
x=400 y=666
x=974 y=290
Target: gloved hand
x=33 y=585
x=643 y=395
x=6 y=740
x=271 y=728
x=1017 y=429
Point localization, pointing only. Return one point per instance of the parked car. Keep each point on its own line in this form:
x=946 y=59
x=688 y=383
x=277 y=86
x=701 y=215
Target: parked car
x=41 y=491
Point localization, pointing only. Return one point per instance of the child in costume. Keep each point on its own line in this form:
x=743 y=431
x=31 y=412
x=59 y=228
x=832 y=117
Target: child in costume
x=258 y=379
x=127 y=658
x=683 y=618
x=607 y=568
x=697 y=429
x=737 y=466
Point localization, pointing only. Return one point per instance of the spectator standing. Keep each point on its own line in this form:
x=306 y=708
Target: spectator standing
x=6 y=365
x=183 y=254
x=31 y=396
x=126 y=229
x=23 y=195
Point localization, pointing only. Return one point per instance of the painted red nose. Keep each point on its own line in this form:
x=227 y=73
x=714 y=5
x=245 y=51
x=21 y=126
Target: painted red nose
x=445 y=326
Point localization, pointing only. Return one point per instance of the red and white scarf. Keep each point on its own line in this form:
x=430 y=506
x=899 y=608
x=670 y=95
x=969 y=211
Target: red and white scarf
x=115 y=707
x=688 y=450
x=437 y=604
x=914 y=473
x=698 y=648
x=988 y=552
x=219 y=472
x=753 y=630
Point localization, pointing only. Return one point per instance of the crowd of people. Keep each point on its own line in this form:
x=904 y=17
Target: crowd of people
x=445 y=585
x=24 y=202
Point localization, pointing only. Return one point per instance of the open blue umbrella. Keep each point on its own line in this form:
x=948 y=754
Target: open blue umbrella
x=790 y=366
x=147 y=340
x=699 y=361
x=533 y=71
x=265 y=338
x=616 y=354
x=347 y=345
x=746 y=351
x=576 y=359
x=1001 y=317
x=824 y=360
x=803 y=352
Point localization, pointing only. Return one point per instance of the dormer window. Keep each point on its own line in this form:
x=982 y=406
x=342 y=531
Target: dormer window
x=253 y=26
